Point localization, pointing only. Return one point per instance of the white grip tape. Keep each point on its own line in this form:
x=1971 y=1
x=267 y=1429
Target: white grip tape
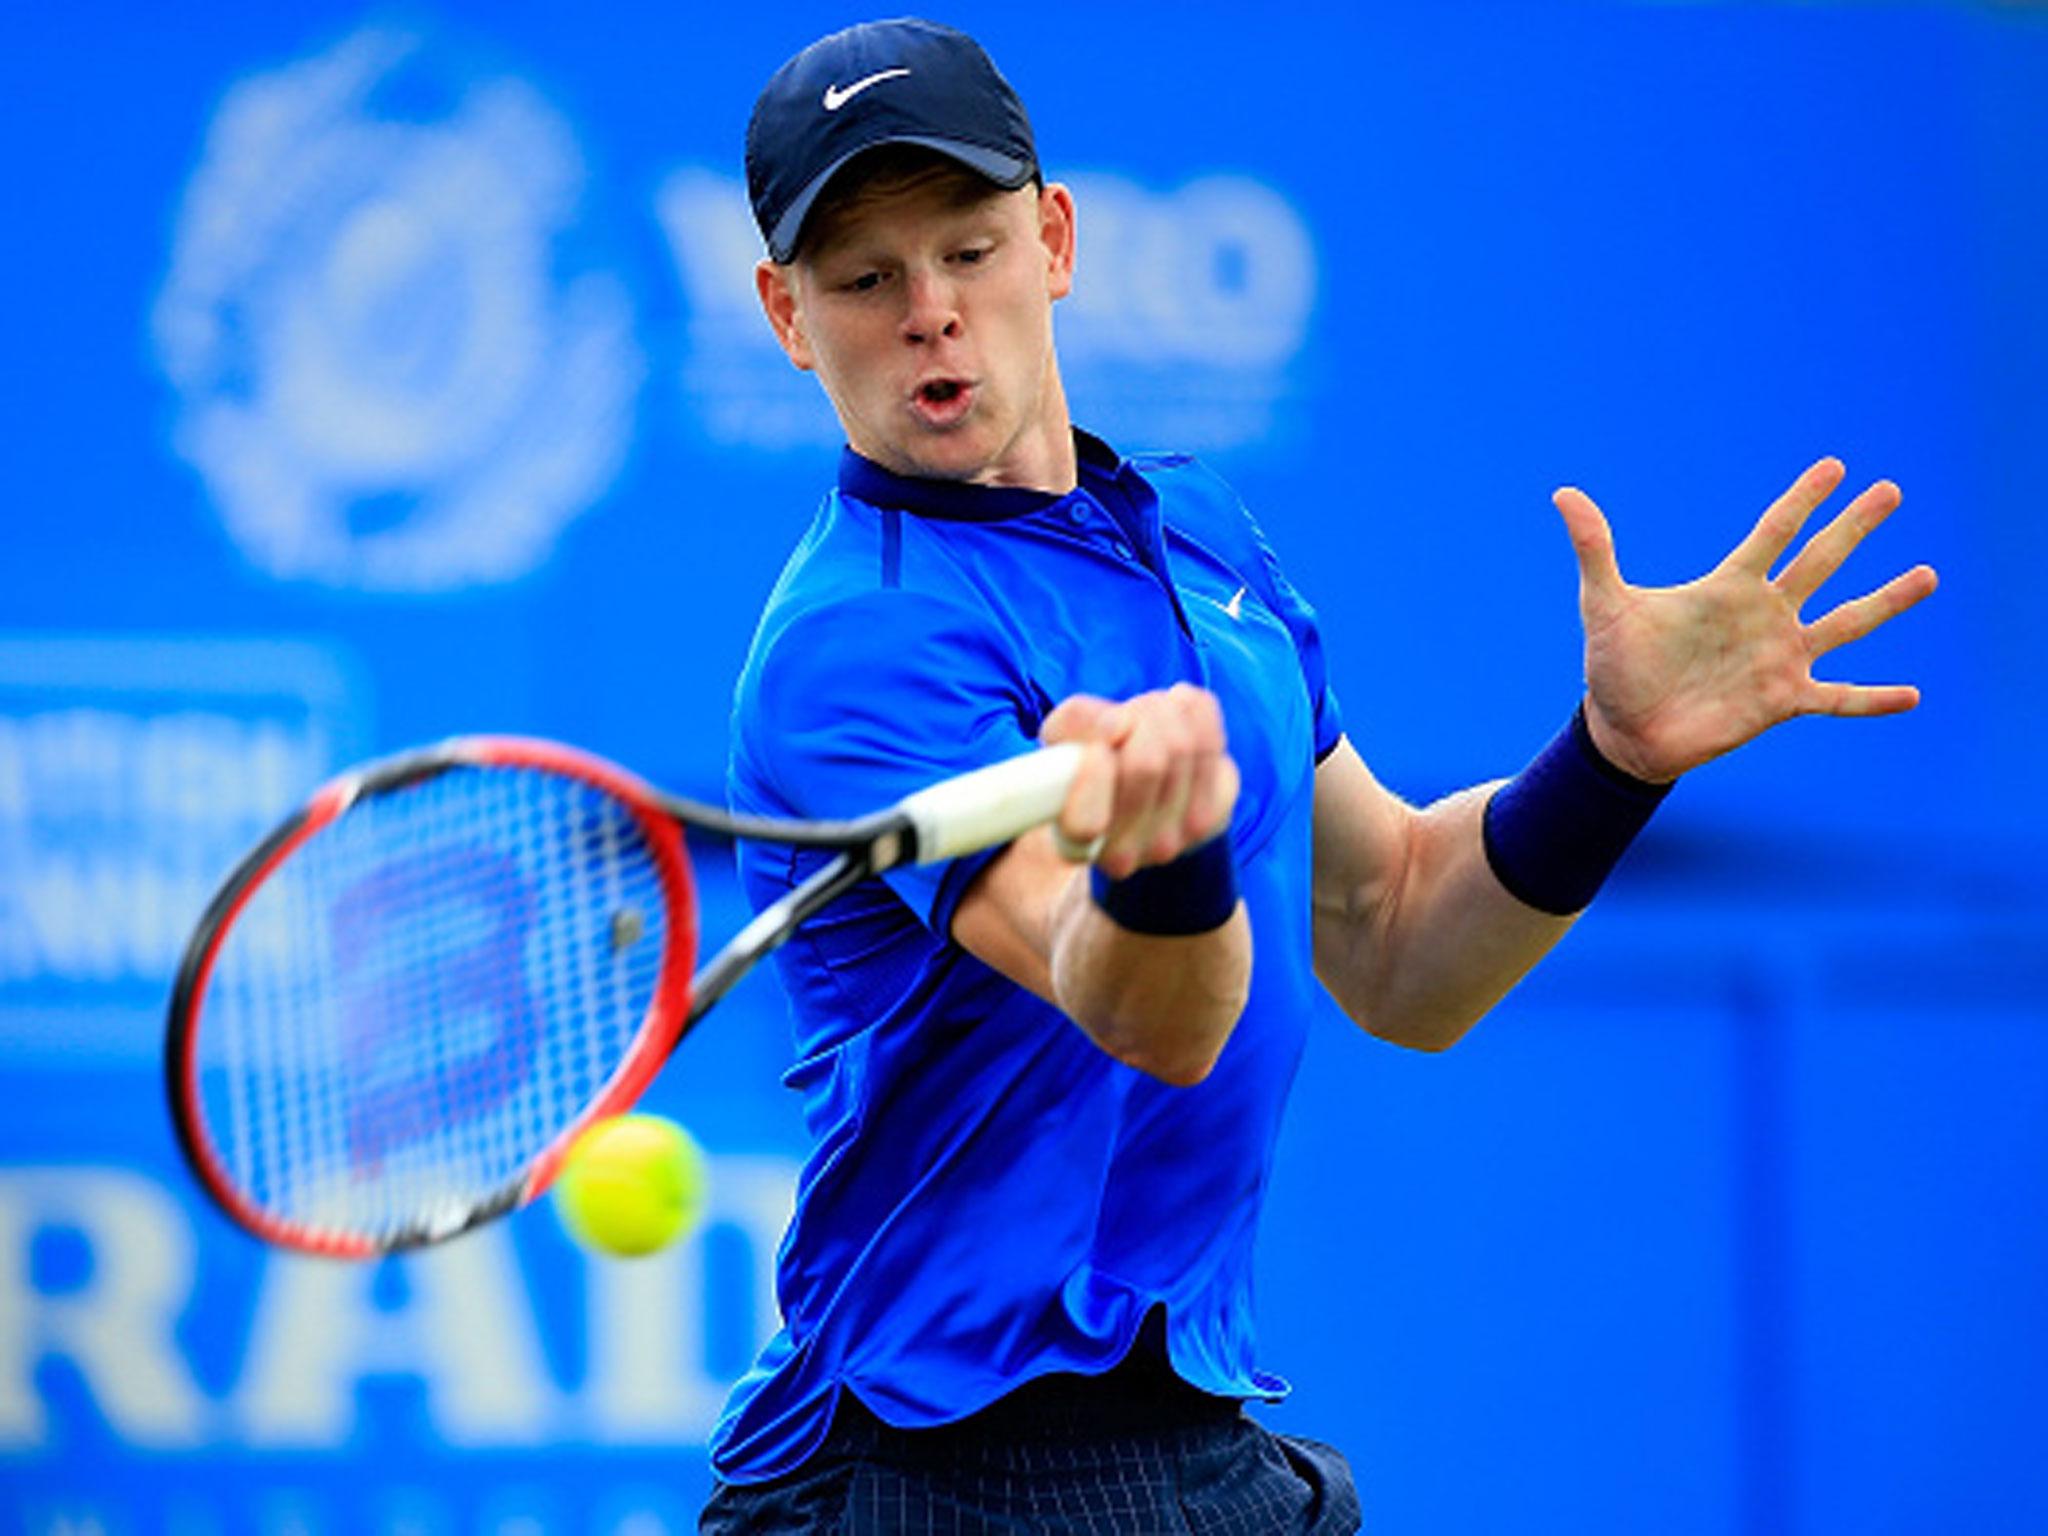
x=993 y=804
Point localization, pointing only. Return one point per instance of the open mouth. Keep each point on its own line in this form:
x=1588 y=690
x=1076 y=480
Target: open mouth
x=942 y=402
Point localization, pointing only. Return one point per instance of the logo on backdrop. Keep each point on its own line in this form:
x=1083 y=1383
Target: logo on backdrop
x=1189 y=313
x=397 y=372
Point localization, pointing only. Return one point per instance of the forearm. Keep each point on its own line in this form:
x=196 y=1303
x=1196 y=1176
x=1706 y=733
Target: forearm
x=1164 y=1004
x=1421 y=957
x=1147 y=949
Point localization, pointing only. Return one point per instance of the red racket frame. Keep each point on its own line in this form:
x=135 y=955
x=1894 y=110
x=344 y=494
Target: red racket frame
x=667 y=1013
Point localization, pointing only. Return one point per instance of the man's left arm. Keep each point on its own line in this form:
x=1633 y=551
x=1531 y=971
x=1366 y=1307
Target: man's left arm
x=1424 y=919
x=1415 y=936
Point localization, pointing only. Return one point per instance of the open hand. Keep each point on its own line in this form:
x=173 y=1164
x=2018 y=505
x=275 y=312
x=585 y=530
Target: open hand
x=1676 y=676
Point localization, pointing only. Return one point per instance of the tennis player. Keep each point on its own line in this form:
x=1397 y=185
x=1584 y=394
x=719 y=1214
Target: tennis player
x=1044 y=1083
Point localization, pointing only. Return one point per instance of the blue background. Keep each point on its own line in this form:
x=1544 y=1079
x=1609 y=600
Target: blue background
x=1729 y=1220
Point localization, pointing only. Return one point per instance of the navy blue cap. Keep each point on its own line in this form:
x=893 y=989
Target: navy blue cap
x=883 y=82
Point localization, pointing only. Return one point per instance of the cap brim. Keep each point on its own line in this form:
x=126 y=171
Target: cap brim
x=1006 y=171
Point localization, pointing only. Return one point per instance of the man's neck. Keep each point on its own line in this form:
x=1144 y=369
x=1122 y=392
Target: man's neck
x=1043 y=456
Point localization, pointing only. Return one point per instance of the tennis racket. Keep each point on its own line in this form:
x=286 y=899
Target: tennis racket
x=402 y=1007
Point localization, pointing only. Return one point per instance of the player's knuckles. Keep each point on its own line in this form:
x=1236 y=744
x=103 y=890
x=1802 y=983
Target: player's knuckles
x=1221 y=799
x=1169 y=825
x=1119 y=856
x=1194 y=710
x=1091 y=800
x=1168 y=843
x=1138 y=824
x=1181 y=702
x=1153 y=831
x=1175 y=734
x=1203 y=713
x=1143 y=766
x=1196 y=732
x=1079 y=717
x=1207 y=807
x=1168 y=764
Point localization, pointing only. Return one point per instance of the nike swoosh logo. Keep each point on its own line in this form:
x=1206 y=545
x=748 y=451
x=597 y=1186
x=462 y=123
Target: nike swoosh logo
x=837 y=96
x=1234 y=609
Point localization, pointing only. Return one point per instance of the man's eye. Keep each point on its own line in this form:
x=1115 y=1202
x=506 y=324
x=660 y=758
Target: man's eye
x=972 y=254
x=867 y=282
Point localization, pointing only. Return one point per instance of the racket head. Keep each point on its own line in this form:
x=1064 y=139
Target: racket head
x=402 y=1007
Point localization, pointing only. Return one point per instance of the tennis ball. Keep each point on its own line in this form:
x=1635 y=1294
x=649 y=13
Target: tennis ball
x=631 y=1185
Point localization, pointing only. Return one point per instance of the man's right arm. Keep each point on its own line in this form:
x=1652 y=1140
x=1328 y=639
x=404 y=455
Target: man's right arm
x=1156 y=782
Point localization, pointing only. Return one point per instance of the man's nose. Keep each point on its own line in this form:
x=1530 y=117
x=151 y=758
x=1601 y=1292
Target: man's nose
x=932 y=310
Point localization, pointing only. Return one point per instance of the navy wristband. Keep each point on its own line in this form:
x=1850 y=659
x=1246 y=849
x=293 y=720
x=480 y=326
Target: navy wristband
x=1196 y=893
x=1555 y=831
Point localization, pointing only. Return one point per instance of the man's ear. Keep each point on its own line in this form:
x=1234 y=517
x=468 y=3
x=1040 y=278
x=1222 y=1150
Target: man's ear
x=776 y=287
x=1056 y=228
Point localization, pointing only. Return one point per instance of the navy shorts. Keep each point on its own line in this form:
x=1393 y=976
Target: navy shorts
x=1122 y=1455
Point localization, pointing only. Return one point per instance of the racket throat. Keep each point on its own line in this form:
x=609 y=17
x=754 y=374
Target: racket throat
x=774 y=923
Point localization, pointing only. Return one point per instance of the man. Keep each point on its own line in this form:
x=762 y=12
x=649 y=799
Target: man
x=1045 y=1081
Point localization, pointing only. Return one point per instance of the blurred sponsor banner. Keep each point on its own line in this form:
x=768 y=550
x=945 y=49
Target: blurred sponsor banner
x=133 y=771
x=156 y=1377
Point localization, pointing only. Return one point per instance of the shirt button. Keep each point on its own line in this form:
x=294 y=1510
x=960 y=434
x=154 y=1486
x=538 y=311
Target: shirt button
x=1078 y=512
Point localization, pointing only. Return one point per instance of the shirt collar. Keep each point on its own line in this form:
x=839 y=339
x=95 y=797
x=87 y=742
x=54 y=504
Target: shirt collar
x=958 y=501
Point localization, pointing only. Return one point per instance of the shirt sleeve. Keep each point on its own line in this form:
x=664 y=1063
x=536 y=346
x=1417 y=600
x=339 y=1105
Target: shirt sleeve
x=861 y=701
x=1300 y=619
x=1299 y=616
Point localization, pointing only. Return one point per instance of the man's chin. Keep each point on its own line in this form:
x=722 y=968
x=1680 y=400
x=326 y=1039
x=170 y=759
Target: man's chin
x=953 y=455
x=971 y=451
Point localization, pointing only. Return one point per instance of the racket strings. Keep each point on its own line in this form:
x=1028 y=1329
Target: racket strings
x=424 y=996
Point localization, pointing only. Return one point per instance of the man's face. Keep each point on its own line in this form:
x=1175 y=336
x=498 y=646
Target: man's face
x=928 y=319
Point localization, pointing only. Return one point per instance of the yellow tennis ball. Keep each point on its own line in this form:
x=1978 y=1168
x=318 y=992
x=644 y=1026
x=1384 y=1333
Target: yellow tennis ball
x=632 y=1185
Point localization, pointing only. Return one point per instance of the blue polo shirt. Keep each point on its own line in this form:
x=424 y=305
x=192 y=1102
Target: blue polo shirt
x=990 y=1197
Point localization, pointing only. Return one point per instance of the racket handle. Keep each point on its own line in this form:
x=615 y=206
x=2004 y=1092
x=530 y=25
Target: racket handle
x=991 y=805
